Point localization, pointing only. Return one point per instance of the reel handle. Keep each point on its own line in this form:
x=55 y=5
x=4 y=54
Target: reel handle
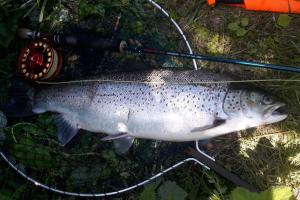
x=83 y=39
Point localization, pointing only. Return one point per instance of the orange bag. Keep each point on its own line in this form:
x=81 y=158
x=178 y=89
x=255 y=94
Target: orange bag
x=283 y=6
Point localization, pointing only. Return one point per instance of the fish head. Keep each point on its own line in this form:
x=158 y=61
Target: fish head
x=254 y=107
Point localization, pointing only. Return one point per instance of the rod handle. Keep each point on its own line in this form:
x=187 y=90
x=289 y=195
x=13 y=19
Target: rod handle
x=79 y=39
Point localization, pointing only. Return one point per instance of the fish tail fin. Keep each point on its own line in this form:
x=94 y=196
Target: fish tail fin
x=20 y=102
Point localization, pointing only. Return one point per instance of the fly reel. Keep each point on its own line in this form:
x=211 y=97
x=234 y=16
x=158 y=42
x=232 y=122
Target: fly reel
x=39 y=60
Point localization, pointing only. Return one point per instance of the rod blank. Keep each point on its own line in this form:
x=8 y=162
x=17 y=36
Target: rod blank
x=214 y=59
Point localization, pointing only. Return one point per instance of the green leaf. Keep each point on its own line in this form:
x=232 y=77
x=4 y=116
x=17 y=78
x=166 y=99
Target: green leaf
x=244 y=21
x=148 y=193
x=85 y=9
x=41 y=17
x=138 y=28
x=214 y=197
x=274 y=193
x=241 y=32
x=233 y=26
x=243 y=194
x=277 y=193
x=170 y=190
x=284 y=20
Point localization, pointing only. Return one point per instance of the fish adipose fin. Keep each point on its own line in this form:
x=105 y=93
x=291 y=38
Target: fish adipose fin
x=216 y=123
x=65 y=130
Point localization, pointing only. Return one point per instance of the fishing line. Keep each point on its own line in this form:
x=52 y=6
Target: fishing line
x=162 y=82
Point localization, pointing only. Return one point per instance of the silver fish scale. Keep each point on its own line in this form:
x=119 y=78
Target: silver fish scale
x=169 y=90
x=164 y=96
x=169 y=76
x=156 y=103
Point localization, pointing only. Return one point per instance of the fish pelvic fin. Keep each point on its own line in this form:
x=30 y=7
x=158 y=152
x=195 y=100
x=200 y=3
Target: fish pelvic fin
x=122 y=142
x=114 y=137
x=65 y=129
x=122 y=145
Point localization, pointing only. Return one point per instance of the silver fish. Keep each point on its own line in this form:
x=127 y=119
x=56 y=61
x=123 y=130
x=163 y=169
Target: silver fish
x=159 y=104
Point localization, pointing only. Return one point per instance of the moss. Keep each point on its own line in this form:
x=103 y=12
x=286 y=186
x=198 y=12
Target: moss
x=218 y=44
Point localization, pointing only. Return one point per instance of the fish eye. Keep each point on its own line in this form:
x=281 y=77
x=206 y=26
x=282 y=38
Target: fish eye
x=267 y=100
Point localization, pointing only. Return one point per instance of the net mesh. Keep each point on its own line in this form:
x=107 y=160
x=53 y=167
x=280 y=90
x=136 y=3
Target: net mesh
x=87 y=165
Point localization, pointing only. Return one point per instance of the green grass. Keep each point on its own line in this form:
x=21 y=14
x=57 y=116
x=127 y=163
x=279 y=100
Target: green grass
x=269 y=155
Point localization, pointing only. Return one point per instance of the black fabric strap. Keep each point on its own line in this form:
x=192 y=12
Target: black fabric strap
x=220 y=170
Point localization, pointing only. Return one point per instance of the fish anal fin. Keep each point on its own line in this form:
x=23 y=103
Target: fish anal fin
x=217 y=122
x=65 y=130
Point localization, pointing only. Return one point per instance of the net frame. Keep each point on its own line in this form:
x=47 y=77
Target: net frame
x=180 y=163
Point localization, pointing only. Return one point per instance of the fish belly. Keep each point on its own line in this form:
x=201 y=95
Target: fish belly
x=164 y=126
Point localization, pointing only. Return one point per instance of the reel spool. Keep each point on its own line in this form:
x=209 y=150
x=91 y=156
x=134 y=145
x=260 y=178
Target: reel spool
x=39 y=60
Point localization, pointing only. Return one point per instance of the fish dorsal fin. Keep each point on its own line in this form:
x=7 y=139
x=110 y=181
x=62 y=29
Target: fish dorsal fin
x=65 y=130
x=217 y=122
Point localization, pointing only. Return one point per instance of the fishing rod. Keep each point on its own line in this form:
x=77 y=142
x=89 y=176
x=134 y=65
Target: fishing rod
x=141 y=50
x=41 y=59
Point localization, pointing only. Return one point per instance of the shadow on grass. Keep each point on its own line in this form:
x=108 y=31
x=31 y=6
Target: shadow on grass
x=261 y=162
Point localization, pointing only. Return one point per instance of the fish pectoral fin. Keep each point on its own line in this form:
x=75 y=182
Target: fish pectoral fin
x=65 y=130
x=217 y=122
x=114 y=137
x=122 y=145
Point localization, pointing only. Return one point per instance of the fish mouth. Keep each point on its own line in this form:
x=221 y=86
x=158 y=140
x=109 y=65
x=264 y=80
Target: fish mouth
x=278 y=112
